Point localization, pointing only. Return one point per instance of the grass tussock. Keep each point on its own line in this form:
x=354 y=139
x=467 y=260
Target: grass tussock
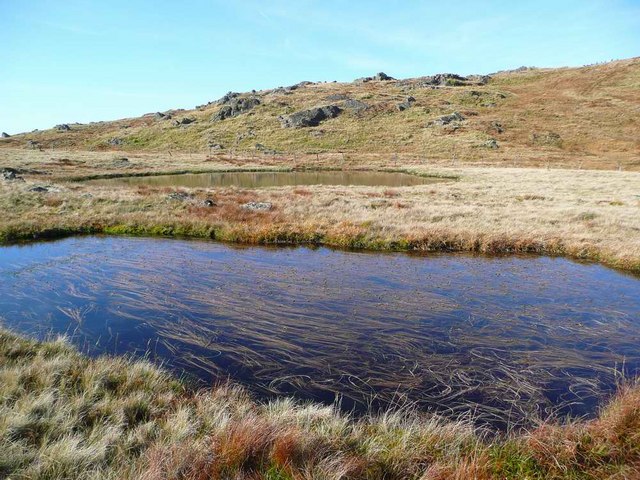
x=65 y=416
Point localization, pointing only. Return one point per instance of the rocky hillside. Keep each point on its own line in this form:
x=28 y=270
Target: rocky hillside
x=588 y=114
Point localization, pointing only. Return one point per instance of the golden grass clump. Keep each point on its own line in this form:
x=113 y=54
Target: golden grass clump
x=65 y=416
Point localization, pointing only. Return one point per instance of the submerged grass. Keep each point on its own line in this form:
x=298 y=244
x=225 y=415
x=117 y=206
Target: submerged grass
x=65 y=416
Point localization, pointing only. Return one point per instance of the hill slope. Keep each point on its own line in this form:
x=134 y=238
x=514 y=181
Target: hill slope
x=588 y=114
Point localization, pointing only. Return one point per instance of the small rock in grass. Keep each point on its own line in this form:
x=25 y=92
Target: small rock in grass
x=181 y=196
x=447 y=119
x=257 y=206
x=42 y=189
x=11 y=174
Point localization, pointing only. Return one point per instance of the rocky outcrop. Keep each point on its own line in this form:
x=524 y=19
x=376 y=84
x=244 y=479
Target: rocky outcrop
x=5 y=135
x=378 y=77
x=235 y=107
x=115 y=141
x=311 y=117
x=63 y=127
x=445 y=80
x=161 y=116
x=226 y=98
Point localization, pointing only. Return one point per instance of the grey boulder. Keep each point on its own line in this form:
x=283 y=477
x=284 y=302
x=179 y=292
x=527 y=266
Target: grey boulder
x=311 y=117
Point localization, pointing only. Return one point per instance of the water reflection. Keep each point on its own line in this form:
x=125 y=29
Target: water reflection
x=274 y=179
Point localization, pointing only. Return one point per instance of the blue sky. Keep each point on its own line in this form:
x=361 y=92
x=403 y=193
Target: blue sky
x=75 y=60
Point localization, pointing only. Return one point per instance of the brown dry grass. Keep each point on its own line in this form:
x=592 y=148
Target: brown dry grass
x=579 y=213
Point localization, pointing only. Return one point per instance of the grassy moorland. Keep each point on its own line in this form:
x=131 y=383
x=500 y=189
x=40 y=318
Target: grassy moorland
x=64 y=416
x=545 y=161
x=590 y=214
x=568 y=117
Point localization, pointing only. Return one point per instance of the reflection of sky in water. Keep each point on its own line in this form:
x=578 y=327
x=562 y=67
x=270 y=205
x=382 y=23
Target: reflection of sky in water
x=501 y=336
x=273 y=179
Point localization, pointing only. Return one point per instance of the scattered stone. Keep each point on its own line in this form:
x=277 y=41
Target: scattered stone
x=208 y=203
x=180 y=196
x=115 y=141
x=317 y=133
x=257 y=206
x=215 y=146
x=42 y=189
x=406 y=104
x=267 y=151
x=33 y=145
x=11 y=175
x=121 y=162
x=447 y=119
x=496 y=127
x=5 y=135
x=235 y=107
x=161 y=116
x=184 y=121
x=311 y=117
x=336 y=97
x=549 y=139
x=355 y=105
x=491 y=143
x=298 y=85
x=63 y=127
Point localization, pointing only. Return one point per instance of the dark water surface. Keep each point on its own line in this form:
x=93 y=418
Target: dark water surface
x=497 y=337
x=274 y=179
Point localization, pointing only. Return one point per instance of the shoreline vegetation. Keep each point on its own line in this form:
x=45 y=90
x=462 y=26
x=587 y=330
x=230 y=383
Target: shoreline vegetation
x=580 y=214
x=64 y=415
